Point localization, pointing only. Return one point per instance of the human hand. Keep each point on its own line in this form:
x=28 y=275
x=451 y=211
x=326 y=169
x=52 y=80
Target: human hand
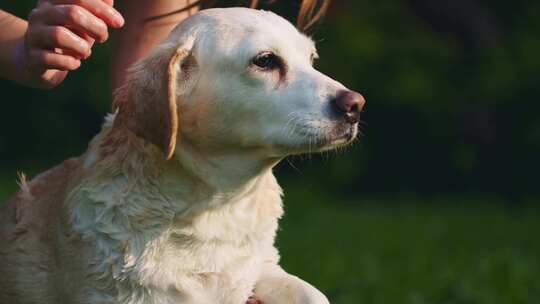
x=60 y=34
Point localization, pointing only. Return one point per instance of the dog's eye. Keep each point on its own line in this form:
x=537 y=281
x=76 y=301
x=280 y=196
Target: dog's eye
x=267 y=61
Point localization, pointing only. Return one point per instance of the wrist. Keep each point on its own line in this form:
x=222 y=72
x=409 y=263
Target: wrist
x=12 y=46
x=19 y=61
x=28 y=76
x=19 y=58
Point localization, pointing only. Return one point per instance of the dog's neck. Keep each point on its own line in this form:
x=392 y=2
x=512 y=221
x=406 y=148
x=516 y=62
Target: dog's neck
x=124 y=168
x=223 y=175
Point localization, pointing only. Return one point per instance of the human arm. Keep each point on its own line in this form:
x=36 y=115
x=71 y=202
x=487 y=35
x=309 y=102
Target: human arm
x=139 y=35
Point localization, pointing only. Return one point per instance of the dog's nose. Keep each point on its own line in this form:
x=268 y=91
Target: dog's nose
x=350 y=104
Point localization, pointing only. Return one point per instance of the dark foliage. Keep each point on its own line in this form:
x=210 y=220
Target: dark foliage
x=451 y=88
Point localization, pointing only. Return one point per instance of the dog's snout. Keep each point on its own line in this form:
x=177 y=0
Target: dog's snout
x=350 y=104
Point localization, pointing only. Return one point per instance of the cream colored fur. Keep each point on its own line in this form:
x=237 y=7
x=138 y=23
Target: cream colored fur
x=124 y=224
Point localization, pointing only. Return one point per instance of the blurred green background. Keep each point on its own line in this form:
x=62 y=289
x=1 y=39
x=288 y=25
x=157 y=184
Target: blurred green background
x=438 y=203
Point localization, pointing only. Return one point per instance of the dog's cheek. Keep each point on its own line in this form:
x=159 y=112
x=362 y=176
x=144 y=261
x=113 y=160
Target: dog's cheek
x=194 y=119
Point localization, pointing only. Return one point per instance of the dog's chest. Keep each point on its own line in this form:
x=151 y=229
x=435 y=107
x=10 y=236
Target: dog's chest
x=230 y=239
x=218 y=252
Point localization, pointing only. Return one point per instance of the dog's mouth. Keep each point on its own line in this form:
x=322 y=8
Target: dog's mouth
x=324 y=139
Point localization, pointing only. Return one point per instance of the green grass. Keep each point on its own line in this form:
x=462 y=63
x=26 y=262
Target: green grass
x=408 y=250
x=412 y=250
x=8 y=186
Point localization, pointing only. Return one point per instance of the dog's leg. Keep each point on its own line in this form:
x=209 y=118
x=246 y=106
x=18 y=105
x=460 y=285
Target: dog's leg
x=254 y=300
x=275 y=286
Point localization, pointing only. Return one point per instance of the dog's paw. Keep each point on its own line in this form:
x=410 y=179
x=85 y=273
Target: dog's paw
x=312 y=296
x=289 y=290
x=254 y=300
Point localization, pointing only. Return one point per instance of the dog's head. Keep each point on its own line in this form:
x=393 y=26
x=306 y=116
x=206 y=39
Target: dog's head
x=233 y=79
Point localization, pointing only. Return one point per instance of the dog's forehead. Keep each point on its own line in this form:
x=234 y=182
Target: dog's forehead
x=230 y=30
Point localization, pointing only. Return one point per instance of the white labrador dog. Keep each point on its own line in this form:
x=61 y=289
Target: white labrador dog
x=175 y=201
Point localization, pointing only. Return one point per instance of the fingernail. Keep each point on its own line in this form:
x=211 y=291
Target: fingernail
x=89 y=53
x=85 y=47
x=118 y=20
x=104 y=29
x=103 y=39
x=76 y=64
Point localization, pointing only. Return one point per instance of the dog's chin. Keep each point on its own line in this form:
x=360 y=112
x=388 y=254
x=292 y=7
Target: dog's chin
x=338 y=138
x=321 y=141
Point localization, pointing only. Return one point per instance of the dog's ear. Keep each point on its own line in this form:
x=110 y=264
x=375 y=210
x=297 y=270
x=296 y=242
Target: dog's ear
x=147 y=102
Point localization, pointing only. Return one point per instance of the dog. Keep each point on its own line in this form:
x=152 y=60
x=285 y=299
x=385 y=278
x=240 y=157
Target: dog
x=175 y=201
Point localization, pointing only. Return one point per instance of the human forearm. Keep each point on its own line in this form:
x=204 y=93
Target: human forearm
x=11 y=37
x=139 y=36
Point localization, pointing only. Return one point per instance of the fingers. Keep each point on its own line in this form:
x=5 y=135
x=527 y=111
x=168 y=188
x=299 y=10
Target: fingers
x=99 y=8
x=51 y=37
x=72 y=16
x=41 y=60
x=61 y=33
x=79 y=19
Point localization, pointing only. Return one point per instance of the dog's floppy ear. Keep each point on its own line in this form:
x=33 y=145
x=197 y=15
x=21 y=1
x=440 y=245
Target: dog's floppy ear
x=147 y=102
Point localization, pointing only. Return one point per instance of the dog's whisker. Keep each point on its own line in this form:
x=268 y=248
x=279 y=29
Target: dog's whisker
x=292 y=165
